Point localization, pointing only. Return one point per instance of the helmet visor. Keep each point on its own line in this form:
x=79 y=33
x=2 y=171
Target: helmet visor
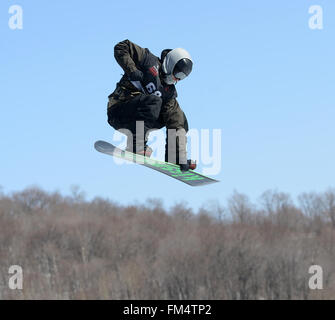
x=183 y=68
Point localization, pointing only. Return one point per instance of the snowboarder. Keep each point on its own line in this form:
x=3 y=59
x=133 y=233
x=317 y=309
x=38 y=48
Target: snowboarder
x=146 y=94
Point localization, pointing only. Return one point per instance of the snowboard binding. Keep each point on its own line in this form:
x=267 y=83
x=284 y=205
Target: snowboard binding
x=190 y=165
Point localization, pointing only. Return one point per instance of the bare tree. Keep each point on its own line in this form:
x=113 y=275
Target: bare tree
x=240 y=207
x=329 y=205
x=72 y=248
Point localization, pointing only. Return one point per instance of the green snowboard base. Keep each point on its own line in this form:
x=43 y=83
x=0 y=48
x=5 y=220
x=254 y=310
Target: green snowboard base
x=190 y=177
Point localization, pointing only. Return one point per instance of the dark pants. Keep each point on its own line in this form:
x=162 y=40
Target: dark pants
x=144 y=109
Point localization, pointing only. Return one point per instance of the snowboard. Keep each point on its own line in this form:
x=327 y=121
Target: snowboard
x=192 y=178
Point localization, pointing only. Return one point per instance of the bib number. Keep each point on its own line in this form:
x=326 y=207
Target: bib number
x=151 y=88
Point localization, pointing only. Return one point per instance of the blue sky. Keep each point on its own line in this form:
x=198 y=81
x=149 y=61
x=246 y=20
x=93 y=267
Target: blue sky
x=261 y=75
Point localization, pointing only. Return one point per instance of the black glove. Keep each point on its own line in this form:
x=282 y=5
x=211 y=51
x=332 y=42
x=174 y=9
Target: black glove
x=136 y=75
x=190 y=165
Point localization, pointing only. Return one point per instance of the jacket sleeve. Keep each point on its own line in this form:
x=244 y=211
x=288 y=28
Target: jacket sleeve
x=128 y=55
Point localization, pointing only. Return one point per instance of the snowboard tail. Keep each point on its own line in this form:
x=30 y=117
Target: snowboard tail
x=190 y=177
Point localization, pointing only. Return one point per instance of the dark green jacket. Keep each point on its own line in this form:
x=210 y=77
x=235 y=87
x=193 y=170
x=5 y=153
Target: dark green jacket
x=131 y=57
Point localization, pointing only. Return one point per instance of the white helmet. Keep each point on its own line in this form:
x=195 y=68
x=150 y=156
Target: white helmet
x=177 y=64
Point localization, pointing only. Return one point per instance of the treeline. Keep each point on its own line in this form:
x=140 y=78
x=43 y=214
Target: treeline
x=71 y=248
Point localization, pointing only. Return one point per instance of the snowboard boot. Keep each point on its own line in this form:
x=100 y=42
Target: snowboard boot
x=146 y=152
x=190 y=165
